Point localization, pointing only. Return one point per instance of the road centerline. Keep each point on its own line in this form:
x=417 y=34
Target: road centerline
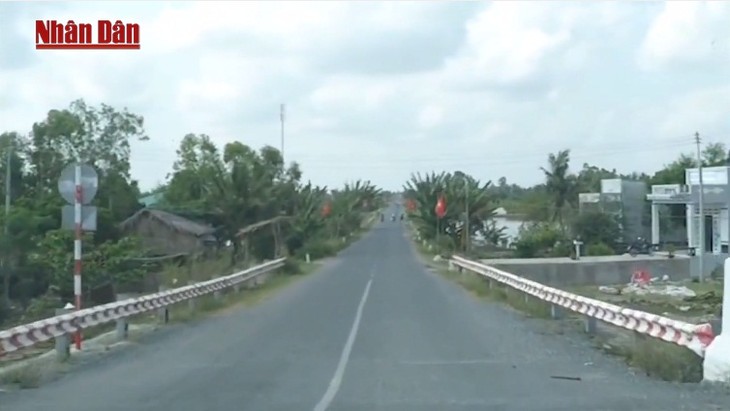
x=336 y=381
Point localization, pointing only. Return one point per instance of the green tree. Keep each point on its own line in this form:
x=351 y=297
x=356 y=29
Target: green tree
x=456 y=188
x=560 y=184
x=595 y=227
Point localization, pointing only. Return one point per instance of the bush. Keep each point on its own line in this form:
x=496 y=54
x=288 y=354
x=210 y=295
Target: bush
x=291 y=266
x=599 y=249
x=541 y=239
x=595 y=227
x=319 y=248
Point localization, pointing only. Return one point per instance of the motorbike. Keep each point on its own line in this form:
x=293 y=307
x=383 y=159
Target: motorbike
x=640 y=246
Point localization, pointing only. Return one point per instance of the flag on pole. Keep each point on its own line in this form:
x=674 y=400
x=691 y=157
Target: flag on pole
x=440 y=208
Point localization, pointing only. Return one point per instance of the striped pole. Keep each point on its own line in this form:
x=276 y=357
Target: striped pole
x=77 y=247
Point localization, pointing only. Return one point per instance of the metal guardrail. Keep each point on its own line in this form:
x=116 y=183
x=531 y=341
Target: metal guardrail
x=695 y=337
x=27 y=335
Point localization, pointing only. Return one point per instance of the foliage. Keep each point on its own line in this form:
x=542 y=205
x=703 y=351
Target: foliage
x=597 y=249
x=459 y=190
x=230 y=187
x=557 y=198
x=542 y=239
x=595 y=227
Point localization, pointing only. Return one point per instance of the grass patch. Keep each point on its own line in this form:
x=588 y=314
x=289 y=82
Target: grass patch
x=664 y=360
x=32 y=375
x=482 y=287
x=24 y=377
x=707 y=302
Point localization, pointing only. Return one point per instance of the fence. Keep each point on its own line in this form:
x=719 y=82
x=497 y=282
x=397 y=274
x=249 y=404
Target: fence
x=695 y=337
x=61 y=326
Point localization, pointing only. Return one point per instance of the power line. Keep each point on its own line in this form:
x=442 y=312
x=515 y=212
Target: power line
x=526 y=159
x=456 y=159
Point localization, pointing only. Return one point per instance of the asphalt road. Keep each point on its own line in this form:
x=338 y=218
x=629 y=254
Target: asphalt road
x=372 y=330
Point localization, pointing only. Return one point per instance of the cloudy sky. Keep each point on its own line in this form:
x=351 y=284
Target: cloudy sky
x=380 y=90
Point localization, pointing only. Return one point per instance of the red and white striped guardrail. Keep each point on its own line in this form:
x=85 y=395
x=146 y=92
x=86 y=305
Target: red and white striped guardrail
x=696 y=337
x=30 y=334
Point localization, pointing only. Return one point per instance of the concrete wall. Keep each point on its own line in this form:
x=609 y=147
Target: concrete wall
x=633 y=195
x=577 y=273
x=711 y=262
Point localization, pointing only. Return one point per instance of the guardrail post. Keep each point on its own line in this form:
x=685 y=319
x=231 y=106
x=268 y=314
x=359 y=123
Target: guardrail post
x=250 y=283
x=716 y=366
x=191 y=301
x=163 y=313
x=122 y=328
x=63 y=341
x=217 y=294
x=555 y=312
x=122 y=324
x=590 y=325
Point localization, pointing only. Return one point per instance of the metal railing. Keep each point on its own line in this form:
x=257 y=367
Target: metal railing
x=695 y=337
x=27 y=335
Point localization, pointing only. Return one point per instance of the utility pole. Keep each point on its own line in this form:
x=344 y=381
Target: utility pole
x=701 y=263
x=467 y=233
x=6 y=265
x=283 y=115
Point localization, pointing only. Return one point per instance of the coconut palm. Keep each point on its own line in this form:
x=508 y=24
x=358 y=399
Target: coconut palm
x=560 y=184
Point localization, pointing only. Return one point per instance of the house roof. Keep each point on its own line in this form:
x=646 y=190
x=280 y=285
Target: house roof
x=256 y=226
x=174 y=221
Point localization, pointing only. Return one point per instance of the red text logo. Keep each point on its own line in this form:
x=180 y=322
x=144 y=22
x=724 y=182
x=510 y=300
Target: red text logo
x=51 y=34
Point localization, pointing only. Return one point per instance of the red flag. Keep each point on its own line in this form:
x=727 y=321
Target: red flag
x=326 y=209
x=440 y=207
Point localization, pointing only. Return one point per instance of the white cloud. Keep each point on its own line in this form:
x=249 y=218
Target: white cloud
x=506 y=43
x=704 y=109
x=379 y=90
x=431 y=116
x=687 y=32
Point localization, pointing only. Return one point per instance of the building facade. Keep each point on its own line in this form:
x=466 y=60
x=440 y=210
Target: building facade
x=716 y=197
x=626 y=199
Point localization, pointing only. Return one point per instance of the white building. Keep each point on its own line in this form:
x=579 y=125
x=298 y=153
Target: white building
x=716 y=198
x=624 y=199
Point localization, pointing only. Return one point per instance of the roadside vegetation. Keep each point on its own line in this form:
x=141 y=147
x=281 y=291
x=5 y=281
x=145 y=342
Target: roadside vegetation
x=656 y=358
x=544 y=236
x=549 y=211
x=258 y=207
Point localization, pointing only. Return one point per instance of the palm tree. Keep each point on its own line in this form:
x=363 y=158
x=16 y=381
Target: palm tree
x=457 y=188
x=560 y=184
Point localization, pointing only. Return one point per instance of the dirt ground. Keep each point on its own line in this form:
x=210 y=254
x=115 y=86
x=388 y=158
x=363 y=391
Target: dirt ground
x=705 y=306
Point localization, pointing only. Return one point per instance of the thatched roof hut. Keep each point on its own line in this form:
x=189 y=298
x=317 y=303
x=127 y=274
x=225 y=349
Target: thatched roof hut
x=164 y=233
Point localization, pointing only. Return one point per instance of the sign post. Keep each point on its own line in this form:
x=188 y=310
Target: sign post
x=78 y=185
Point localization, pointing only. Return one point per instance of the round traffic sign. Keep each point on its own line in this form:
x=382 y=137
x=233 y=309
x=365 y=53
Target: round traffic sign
x=89 y=183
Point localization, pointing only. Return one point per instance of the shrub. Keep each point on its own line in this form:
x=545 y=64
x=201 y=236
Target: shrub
x=595 y=227
x=540 y=239
x=291 y=266
x=599 y=249
x=319 y=248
